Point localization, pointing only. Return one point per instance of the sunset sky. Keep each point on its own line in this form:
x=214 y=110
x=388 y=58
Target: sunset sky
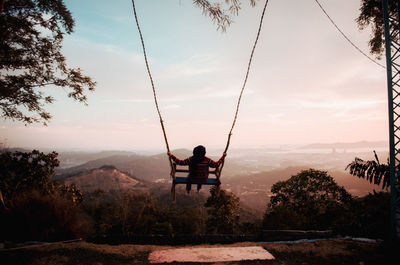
x=306 y=85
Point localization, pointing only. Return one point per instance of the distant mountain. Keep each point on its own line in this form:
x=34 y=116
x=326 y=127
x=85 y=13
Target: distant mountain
x=16 y=149
x=354 y=185
x=149 y=168
x=341 y=145
x=71 y=159
x=106 y=178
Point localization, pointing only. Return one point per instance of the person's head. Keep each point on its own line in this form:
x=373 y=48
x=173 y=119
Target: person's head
x=199 y=151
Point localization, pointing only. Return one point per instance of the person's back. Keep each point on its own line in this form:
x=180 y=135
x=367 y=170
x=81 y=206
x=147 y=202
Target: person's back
x=199 y=172
x=199 y=166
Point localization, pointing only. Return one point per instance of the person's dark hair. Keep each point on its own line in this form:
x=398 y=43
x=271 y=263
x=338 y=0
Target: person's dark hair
x=199 y=152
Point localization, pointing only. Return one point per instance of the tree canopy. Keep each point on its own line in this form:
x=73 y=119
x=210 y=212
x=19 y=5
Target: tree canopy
x=310 y=199
x=371 y=14
x=31 y=36
x=223 y=211
x=22 y=172
x=220 y=13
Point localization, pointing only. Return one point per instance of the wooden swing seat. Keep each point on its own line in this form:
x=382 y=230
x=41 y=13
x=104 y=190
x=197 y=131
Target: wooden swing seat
x=185 y=180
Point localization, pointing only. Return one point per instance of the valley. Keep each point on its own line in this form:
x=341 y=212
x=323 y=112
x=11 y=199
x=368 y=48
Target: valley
x=248 y=173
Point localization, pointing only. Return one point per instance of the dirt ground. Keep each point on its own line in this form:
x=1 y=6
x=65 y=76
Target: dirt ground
x=325 y=252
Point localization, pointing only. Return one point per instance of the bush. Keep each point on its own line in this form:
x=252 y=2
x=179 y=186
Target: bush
x=369 y=217
x=33 y=216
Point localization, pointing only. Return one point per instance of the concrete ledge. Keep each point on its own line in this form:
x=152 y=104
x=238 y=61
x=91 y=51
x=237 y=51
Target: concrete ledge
x=172 y=239
x=266 y=235
x=286 y=235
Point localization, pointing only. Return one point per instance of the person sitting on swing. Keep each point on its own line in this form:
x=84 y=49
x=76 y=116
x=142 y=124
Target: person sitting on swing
x=199 y=166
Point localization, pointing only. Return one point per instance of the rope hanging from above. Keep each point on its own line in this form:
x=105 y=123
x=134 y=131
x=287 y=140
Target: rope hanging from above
x=347 y=38
x=240 y=95
x=245 y=81
x=152 y=82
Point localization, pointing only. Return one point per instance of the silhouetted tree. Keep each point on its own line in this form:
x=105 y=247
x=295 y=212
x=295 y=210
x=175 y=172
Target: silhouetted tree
x=186 y=220
x=25 y=171
x=223 y=211
x=371 y=170
x=371 y=13
x=187 y=215
x=309 y=200
x=137 y=213
x=369 y=216
x=22 y=171
x=31 y=35
x=36 y=207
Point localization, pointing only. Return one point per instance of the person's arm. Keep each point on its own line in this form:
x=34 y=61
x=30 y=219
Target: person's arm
x=184 y=162
x=216 y=164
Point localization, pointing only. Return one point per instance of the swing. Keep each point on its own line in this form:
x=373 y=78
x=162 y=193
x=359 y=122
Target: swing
x=184 y=180
x=174 y=167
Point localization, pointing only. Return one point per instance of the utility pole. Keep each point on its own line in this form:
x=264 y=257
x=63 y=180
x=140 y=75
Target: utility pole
x=392 y=44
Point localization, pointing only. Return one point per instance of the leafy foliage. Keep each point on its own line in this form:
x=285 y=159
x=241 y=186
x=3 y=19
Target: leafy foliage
x=22 y=172
x=31 y=35
x=139 y=213
x=371 y=170
x=371 y=13
x=217 y=12
x=36 y=207
x=309 y=200
x=223 y=211
x=369 y=217
x=45 y=217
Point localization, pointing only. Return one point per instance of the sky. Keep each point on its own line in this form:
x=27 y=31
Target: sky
x=307 y=84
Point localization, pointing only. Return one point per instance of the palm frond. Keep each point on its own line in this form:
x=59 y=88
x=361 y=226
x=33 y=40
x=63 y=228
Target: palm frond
x=371 y=170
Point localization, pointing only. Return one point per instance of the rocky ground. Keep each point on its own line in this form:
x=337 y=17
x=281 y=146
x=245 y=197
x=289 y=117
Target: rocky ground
x=326 y=252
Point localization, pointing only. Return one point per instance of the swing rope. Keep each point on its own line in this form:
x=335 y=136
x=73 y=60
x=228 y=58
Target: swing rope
x=152 y=82
x=240 y=95
x=245 y=81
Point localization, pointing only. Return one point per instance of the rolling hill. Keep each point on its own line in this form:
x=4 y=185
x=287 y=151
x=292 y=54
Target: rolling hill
x=148 y=168
x=106 y=178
